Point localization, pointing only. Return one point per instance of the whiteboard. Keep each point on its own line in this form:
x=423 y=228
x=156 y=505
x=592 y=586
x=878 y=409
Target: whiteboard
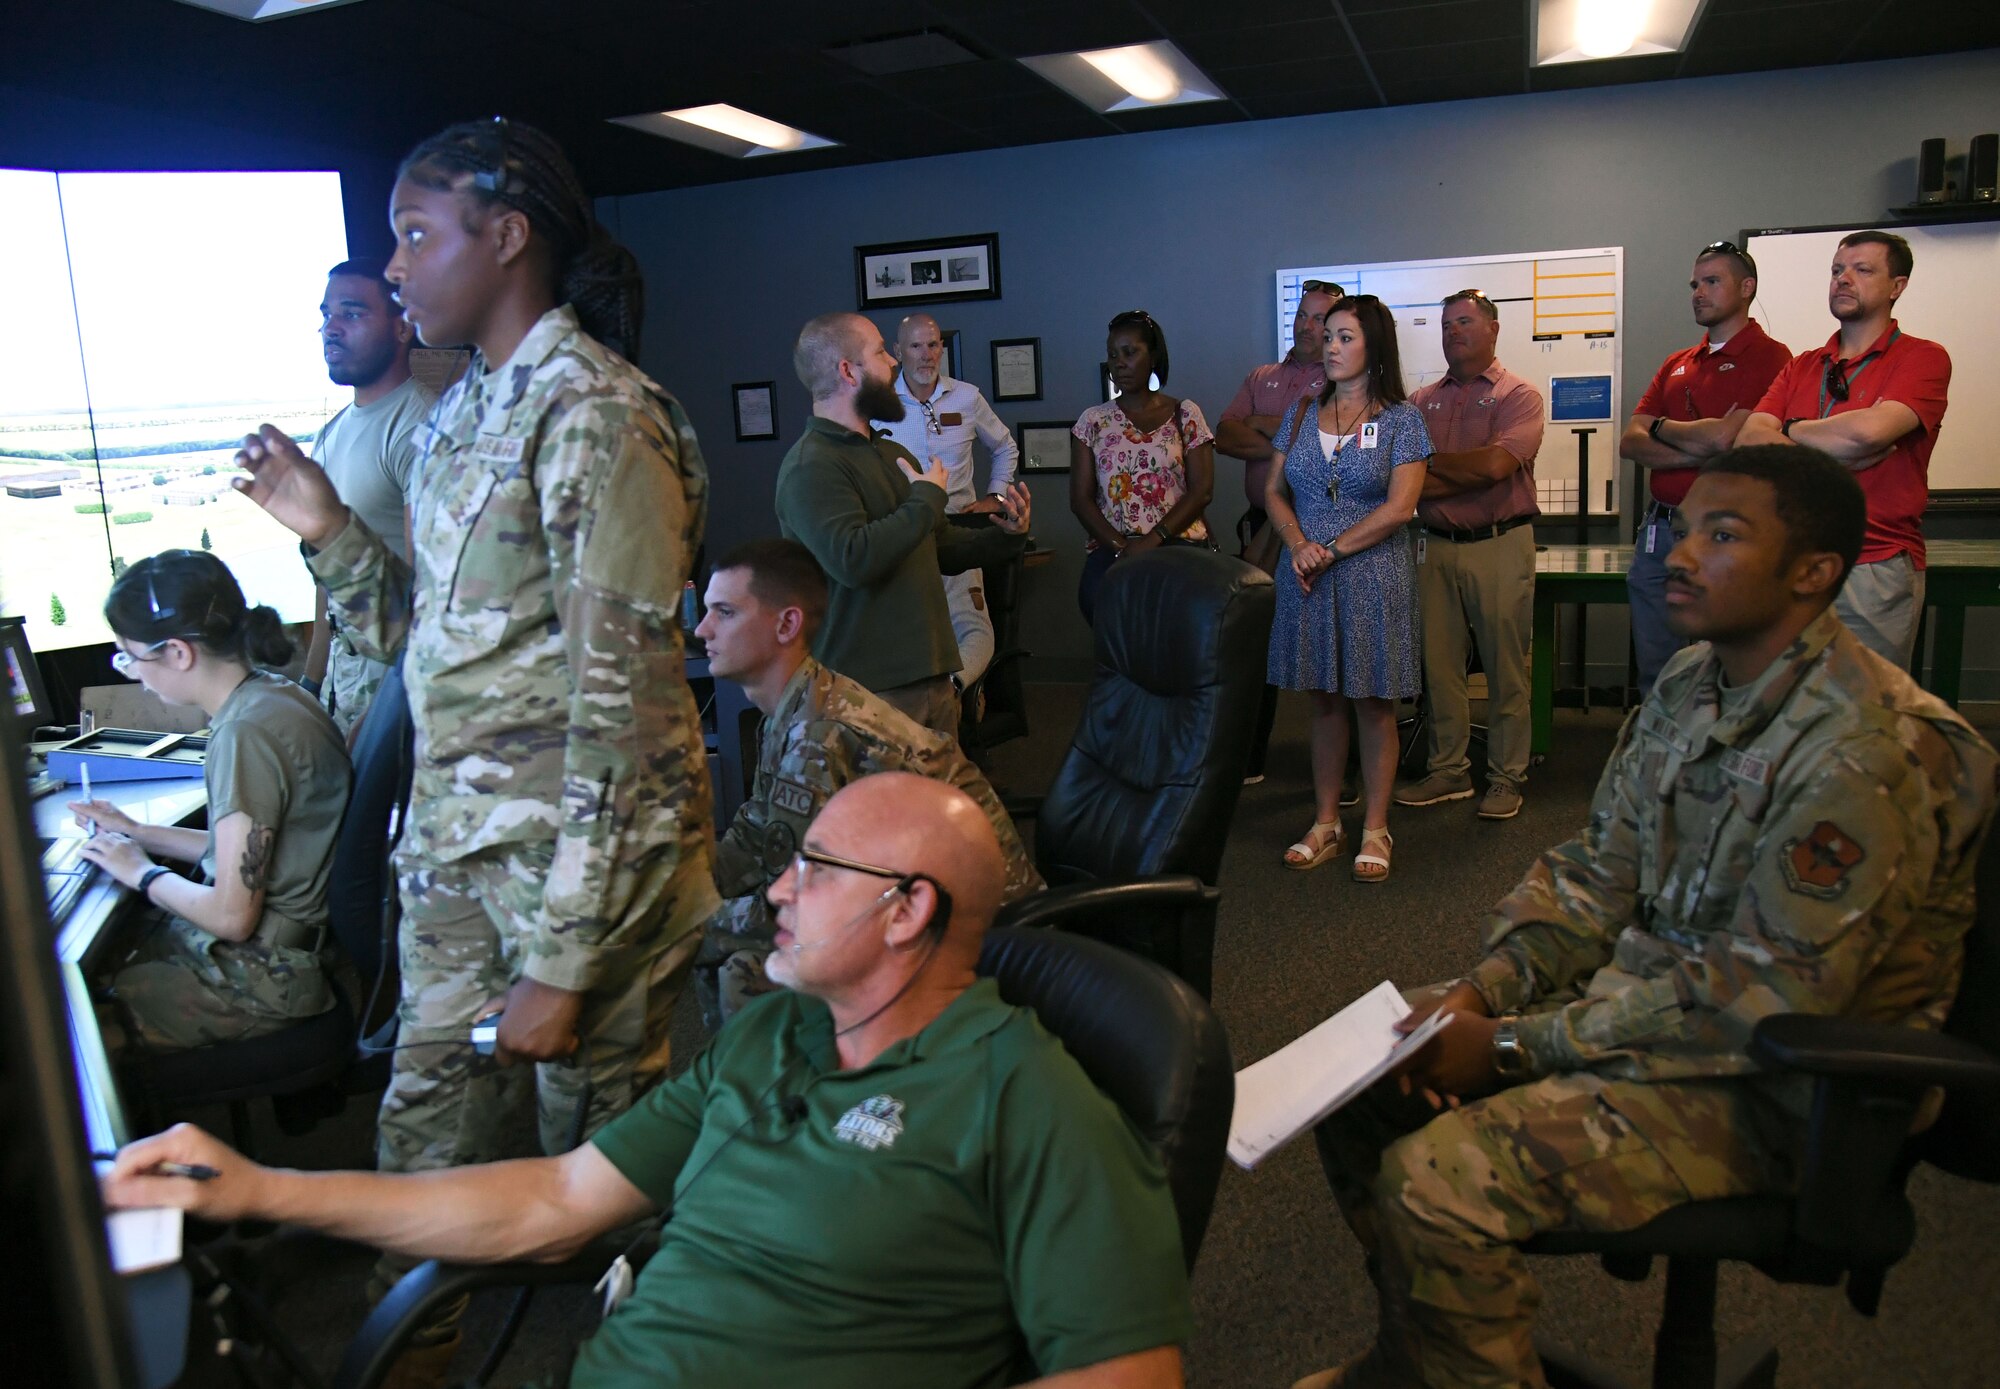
x=1954 y=287
x=1560 y=317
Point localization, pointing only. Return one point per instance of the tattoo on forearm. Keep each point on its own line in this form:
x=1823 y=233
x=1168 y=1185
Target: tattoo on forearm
x=257 y=857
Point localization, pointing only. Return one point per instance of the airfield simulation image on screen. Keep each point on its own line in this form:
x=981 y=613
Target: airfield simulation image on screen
x=154 y=319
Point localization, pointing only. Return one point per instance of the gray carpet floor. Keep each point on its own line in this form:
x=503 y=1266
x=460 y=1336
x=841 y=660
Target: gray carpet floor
x=1279 y=1290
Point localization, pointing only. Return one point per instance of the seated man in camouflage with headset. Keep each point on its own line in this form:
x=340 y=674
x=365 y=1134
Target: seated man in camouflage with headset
x=821 y=731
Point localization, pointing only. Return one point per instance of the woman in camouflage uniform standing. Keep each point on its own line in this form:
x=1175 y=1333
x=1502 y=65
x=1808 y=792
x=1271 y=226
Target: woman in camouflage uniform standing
x=558 y=858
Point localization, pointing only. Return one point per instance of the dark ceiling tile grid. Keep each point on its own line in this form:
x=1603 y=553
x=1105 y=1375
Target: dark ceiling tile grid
x=573 y=64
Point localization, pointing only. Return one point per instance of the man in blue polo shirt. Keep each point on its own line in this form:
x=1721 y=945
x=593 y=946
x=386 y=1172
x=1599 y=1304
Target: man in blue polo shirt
x=883 y=1175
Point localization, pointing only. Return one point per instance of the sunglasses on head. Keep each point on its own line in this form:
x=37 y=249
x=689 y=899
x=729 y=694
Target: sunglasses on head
x=1729 y=248
x=490 y=145
x=1322 y=287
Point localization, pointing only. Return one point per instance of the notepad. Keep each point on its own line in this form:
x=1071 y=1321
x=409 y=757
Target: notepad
x=1290 y=1090
x=148 y=1237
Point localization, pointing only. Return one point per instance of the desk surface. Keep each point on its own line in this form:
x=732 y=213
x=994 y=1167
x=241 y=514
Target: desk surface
x=1560 y=560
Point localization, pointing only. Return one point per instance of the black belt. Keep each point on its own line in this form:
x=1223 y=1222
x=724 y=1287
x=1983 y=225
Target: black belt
x=1477 y=533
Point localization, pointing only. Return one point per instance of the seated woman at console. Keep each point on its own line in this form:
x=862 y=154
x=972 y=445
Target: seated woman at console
x=237 y=954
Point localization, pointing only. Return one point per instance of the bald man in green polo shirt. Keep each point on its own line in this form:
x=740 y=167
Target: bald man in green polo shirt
x=882 y=1175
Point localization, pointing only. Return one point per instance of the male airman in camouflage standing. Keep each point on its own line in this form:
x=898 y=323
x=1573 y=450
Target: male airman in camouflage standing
x=1788 y=824
x=557 y=859
x=765 y=602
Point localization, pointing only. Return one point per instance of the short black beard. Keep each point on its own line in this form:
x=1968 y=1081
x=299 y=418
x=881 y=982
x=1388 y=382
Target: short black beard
x=877 y=400
x=359 y=374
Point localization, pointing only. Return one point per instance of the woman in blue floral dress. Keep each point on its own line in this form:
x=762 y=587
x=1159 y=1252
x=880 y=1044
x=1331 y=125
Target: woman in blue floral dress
x=1346 y=624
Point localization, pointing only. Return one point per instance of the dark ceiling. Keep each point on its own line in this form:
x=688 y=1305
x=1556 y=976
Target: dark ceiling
x=377 y=75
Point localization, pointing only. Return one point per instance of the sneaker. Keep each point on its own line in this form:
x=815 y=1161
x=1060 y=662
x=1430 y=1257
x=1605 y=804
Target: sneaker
x=1253 y=778
x=1435 y=788
x=1501 y=802
x=1350 y=792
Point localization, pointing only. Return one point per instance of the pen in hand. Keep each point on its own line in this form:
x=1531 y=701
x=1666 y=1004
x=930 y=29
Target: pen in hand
x=195 y=1172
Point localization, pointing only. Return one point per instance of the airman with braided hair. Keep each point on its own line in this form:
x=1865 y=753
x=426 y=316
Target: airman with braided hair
x=557 y=859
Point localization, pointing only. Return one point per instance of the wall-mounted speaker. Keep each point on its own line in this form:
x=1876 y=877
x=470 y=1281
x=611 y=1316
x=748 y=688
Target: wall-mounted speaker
x=1930 y=171
x=1983 y=171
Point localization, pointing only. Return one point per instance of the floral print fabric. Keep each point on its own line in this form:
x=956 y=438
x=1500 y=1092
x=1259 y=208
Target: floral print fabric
x=1141 y=475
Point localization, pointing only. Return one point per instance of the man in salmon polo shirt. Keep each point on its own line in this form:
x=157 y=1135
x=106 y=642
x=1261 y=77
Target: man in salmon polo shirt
x=1873 y=397
x=1692 y=411
x=1476 y=569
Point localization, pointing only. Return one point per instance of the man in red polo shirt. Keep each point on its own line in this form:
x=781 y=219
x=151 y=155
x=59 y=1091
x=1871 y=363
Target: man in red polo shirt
x=1698 y=401
x=1477 y=566
x=1873 y=397
x=1245 y=431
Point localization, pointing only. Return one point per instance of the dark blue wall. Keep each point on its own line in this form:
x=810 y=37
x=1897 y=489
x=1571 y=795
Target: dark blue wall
x=1191 y=224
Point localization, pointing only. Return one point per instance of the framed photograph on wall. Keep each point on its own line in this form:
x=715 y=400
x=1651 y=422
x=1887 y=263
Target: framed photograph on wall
x=756 y=410
x=941 y=270
x=1044 y=445
x=1017 y=369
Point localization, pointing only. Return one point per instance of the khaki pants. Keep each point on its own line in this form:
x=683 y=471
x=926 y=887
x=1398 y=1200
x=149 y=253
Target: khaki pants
x=1881 y=603
x=1489 y=587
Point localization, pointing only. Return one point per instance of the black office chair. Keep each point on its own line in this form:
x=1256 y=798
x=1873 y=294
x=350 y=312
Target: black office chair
x=1144 y=1037
x=1851 y=1218
x=309 y=1068
x=996 y=706
x=1151 y=780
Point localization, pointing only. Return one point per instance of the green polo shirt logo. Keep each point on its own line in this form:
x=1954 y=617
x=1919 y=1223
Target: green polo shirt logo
x=874 y=1124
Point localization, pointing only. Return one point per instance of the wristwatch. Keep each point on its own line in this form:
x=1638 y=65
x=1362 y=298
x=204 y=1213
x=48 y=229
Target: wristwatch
x=1786 y=428
x=1653 y=429
x=1509 y=1061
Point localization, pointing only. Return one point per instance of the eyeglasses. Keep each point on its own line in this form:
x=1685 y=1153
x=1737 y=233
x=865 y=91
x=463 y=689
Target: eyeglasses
x=122 y=660
x=1321 y=287
x=804 y=859
x=931 y=417
x=1729 y=248
x=1836 y=379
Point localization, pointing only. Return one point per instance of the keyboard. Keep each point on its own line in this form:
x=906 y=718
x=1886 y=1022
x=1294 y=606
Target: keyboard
x=65 y=875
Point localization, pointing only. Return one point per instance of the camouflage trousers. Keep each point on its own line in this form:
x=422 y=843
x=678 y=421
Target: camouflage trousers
x=932 y=703
x=729 y=967
x=351 y=683
x=1440 y=1202
x=182 y=988
x=465 y=927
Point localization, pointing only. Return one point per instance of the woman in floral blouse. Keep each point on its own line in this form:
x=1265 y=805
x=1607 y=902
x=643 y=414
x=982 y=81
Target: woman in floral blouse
x=1141 y=467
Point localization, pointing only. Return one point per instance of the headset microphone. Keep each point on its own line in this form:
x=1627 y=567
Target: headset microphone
x=799 y=947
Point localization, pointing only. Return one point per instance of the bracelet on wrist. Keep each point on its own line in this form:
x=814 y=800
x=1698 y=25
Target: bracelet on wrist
x=144 y=887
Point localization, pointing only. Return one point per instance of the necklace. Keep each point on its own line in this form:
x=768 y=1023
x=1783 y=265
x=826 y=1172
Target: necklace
x=1339 y=430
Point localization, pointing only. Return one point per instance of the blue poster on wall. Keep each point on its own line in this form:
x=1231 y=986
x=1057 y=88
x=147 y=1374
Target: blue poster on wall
x=1579 y=398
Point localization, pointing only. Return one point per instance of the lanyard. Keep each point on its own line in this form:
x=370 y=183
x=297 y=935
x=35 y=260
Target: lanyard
x=1826 y=402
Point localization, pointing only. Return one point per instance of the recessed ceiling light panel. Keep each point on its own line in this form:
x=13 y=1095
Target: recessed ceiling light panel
x=258 y=10
x=1584 y=31
x=1128 y=78
x=726 y=129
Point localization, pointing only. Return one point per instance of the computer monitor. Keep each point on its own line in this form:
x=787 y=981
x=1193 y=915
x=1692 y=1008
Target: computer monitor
x=27 y=697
